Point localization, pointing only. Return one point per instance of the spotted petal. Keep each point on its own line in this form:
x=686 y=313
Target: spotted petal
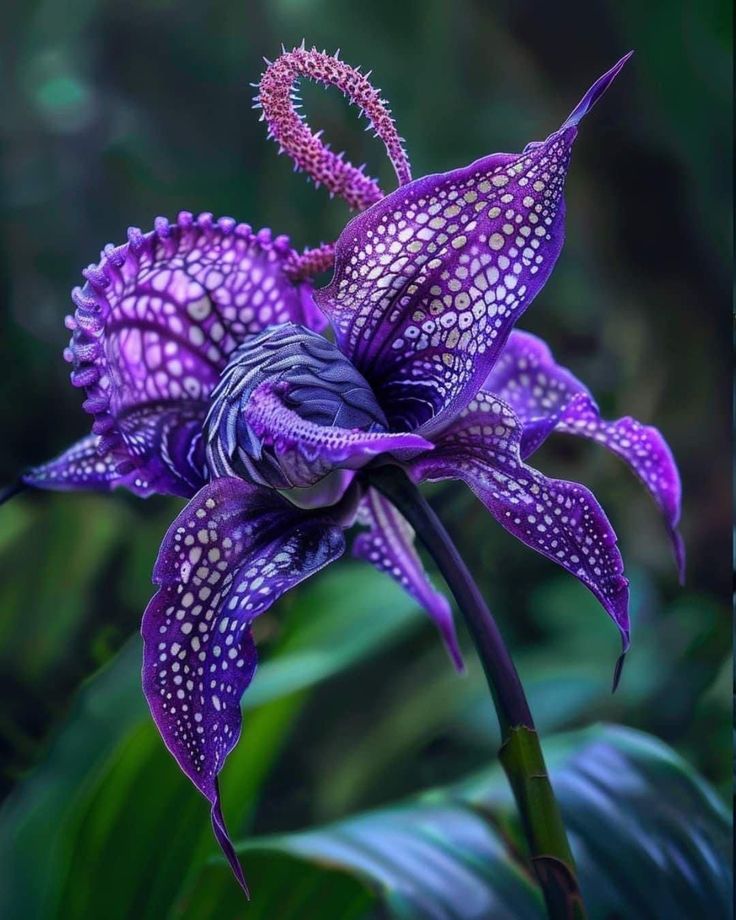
x=308 y=451
x=155 y=323
x=547 y=397
x=430 y=280
x=80 y=467
x=389 y=546
x=232 y=552
x=561 y=520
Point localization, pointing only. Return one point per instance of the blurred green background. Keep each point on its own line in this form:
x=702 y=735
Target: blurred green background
x=116 y=112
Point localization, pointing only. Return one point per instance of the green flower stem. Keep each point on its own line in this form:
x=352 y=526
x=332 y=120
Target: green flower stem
x=520 y=754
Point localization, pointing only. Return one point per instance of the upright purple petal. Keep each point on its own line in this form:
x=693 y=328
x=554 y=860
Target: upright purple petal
x=156 y=321
x=389 y=546
x=232 y=552
x=430 y=280
x=561 y=520
x=547 y=397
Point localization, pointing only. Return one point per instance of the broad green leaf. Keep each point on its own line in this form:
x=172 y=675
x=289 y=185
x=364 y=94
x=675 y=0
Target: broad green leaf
x=108 y=783
x=650 y=839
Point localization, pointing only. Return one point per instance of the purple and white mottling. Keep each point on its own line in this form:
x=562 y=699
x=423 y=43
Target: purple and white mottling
x=198 y=345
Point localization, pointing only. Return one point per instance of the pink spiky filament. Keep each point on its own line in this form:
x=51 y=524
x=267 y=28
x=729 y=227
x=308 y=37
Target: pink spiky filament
x=308 y=151
x=311 y=262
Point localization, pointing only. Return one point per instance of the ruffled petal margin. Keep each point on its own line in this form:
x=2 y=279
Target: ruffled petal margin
x=547 y=397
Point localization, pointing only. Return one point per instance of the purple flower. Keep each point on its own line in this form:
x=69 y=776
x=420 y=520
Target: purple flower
x=199 y=346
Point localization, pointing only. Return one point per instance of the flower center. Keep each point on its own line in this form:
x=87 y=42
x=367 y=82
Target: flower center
x=274 y=382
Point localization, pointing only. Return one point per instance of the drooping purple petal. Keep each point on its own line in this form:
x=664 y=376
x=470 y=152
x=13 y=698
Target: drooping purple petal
x=429 y=281
x=547 y=397
x=80 y=467
x=232 y=552
x=156 y=321
x=594 y=93
x=389 y=546
x=561 y=520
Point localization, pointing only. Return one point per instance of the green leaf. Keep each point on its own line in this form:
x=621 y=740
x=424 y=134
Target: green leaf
x=108 y=785
x=650 y=839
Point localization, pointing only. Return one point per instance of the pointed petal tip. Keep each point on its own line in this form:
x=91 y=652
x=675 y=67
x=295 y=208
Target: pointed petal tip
x=618 y=669
x=223 y=838
x=594 y=94
x=452 y=646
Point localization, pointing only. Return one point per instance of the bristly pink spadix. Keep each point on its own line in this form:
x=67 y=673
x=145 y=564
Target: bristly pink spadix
x=199 y=346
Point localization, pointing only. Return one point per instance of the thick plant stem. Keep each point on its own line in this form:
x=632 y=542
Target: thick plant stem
x=520 y=754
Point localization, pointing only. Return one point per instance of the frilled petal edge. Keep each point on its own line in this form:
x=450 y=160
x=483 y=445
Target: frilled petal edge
x=159 y=315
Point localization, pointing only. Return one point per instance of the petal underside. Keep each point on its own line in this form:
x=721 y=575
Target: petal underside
x=233 y=551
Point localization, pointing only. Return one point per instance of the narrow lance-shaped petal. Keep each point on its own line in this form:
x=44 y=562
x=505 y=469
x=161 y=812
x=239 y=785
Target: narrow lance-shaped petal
x=561 y=520
x=153 y=329
x=232 y=552
x=430 y=280
x=547 y=397
x=388 y=544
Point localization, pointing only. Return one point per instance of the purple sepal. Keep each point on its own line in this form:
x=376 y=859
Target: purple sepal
x=232 y=552
x=80 y=467
x=561 y=520
x=430 y=280
x=158 y=316
x=548 y=397
x=389 y=546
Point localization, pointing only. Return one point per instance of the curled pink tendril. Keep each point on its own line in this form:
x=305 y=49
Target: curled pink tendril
x=309 y=152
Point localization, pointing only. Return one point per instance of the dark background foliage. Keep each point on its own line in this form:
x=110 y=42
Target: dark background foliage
x=116 y=112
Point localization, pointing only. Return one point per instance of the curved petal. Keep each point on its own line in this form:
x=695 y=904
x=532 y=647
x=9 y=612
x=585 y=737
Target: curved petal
x=561 y=520
x=430 y=280
x=308 y=451
x=389 y=546
x=80 y=467
x=157 y=319
x=232 y=552
x=547 y=397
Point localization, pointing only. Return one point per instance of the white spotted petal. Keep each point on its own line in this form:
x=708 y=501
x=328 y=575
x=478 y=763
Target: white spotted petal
x=232 y=552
